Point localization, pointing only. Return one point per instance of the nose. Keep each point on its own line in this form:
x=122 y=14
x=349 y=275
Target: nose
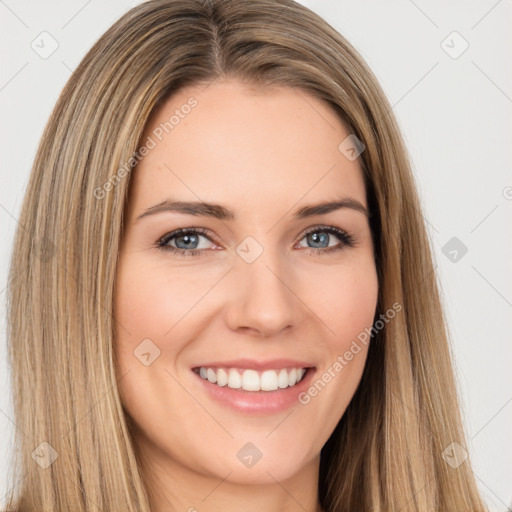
x=262 y=301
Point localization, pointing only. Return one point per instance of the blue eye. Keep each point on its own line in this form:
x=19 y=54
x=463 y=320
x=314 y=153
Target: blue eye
x=186 y=241
x=325 y=232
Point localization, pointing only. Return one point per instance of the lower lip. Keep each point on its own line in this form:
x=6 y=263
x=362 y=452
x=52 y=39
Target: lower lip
x=258 y=402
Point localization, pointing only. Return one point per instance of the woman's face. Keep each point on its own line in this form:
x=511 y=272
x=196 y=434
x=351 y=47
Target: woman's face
x=260 y=282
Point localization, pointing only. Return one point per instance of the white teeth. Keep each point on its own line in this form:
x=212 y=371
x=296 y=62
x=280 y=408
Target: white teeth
x=211 y=375
x=283 y=379
x=234 y=379
x=252 y=380
x=222 y=377
x=268 y=381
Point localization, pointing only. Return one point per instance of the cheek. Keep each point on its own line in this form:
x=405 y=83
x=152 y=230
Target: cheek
x=144 y=312
x=349 y=302
x=151 y=301
x=150 y=316
x=348 y=305
x=155 y=312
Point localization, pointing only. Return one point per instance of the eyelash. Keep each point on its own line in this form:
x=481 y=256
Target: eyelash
x=347 y=240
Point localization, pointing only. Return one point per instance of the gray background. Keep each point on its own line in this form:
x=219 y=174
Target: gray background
x=454 y=108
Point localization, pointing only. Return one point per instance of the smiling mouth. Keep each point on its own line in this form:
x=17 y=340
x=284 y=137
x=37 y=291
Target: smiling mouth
x=253 y=380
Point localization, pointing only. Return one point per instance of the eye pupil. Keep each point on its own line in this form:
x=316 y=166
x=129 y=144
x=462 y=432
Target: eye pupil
x=316 y=239
x=189 y=241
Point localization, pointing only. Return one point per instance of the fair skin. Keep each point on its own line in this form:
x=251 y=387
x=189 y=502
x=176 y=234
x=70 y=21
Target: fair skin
x=263 y=154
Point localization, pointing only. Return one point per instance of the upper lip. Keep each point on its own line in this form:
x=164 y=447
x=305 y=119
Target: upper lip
x=252 y=364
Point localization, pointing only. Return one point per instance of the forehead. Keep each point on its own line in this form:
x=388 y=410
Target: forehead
x=230 y=143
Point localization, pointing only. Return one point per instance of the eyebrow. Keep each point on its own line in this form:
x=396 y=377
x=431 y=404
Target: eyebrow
x=220 y=212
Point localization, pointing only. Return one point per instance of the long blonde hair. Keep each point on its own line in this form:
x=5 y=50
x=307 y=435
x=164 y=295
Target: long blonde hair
x=386 y=453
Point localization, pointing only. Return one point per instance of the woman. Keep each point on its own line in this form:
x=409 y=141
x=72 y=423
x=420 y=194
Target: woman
x=299 y=361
